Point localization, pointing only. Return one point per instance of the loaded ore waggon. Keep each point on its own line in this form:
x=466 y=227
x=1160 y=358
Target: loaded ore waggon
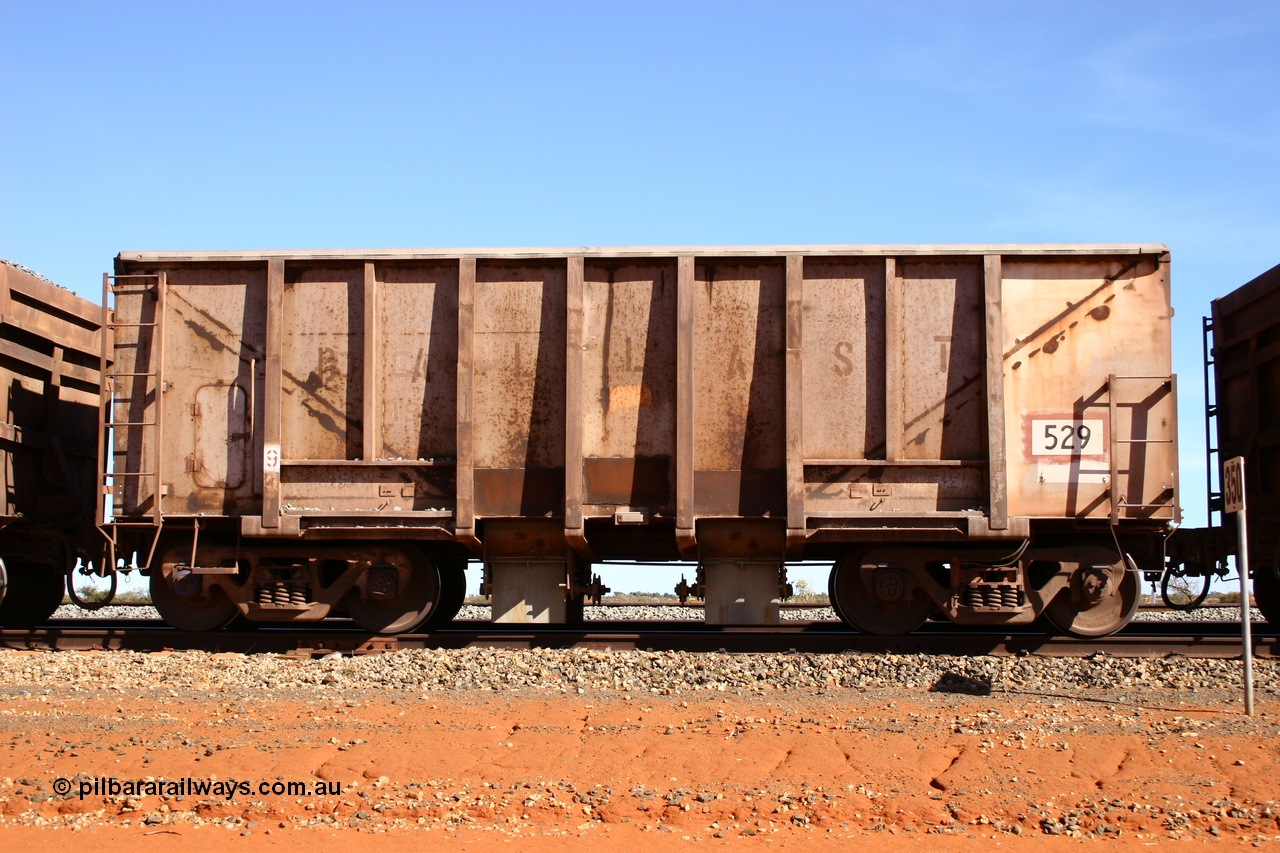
x=50 y=345
x=986 y=434
x=1242 y=379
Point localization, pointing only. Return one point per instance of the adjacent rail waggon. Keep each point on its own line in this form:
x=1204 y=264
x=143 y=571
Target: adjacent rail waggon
x=50 y=345
x=984 y=434
x=1242 y=418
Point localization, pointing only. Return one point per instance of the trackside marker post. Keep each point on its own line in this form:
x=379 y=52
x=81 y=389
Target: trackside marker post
x=1233 y=498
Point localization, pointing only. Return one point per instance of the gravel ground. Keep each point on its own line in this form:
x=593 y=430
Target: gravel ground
x=471 y=612
x=656 y=612
x=653 y=672
x=1140 y=747
x=1203 y=614
x=113 y=611
x=608 y=770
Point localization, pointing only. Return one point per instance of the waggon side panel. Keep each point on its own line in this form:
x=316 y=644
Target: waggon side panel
x=50 y=349
x=1068 y=325
x=215 y=351
x=519 y=388
x=629 y=385
x=843 y=310
x=1246 y=355
x=942 y=360
x=417 y=366
x=216 y=356
x=893 y=361
x=739 y=426
x=886 y=422
x=323 y=363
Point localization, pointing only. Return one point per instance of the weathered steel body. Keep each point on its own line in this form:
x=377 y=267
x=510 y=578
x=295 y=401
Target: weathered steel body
x=1245 y=326
x=292 y=418
x=50 y=345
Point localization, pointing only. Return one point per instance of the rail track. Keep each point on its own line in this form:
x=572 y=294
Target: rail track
x=1189 y=639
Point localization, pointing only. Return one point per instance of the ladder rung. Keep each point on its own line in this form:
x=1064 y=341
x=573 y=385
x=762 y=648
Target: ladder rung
x=1144 y=441
x=130 y=388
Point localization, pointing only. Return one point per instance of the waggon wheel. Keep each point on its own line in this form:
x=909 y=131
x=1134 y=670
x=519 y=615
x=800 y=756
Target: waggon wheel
x=32 y=592
x=186 y=601
x=453 y=591
x=398 y=593
x=1266 y=593
x=877 y=598
x=1099 y=600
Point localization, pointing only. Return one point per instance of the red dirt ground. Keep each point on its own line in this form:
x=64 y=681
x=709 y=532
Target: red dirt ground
x=523 y=771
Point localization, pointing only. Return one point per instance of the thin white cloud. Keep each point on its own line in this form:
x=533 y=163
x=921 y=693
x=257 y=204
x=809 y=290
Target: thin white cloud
x=1169 y=78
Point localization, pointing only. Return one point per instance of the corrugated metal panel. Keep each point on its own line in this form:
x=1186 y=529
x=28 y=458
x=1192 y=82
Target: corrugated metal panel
x=1246 y=354
x=548 y=383
x=50 y=349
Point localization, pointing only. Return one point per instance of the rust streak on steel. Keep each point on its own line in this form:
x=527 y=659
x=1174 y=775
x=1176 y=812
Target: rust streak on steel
x=573 y=482
x=684 y=407
x=997 y=490
x=1067 y=312
x=273 y=387
x=371 y=407
x=796 y=531
x=464 y=514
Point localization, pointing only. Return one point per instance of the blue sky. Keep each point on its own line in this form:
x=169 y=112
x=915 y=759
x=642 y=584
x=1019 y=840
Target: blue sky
x=177 y=125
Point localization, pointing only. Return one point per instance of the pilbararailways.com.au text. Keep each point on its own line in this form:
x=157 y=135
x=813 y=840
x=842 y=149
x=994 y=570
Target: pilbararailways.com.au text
x=110 y=786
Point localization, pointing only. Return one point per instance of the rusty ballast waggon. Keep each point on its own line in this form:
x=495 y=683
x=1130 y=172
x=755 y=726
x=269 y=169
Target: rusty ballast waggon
x=1242 y=384
x=50 y=345
x=982 y=432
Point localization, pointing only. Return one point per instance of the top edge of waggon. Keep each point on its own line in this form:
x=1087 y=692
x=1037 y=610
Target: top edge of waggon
x=16 y=277
x=1035 y=249
x=1257 y=287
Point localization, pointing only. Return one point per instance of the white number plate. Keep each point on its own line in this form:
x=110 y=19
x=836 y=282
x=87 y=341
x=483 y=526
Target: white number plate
x=271 y=459
x=1060 y=437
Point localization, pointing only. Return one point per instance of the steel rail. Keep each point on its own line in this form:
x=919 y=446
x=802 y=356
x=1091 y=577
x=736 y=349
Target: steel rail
x=1206 y=640
x=785 y=605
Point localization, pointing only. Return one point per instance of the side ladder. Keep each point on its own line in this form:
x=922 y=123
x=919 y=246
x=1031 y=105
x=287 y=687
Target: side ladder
x=126 y=385
x=1212 y=455
x=1118 y=502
